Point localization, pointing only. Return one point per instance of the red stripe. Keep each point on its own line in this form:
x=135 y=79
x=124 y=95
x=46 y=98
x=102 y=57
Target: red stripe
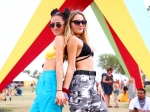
x=41 y=42
x=128 y=59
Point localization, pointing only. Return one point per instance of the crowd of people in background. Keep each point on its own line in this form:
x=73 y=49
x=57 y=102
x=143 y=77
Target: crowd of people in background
x=12 y=89
x=138 y=101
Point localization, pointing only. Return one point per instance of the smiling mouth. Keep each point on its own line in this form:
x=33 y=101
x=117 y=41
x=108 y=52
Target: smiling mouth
x=56 y=31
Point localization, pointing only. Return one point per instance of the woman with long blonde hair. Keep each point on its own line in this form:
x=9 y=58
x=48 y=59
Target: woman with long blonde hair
x=80 y=82
x=131 y=89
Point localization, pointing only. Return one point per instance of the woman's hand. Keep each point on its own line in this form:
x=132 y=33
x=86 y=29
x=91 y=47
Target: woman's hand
x=60 y=98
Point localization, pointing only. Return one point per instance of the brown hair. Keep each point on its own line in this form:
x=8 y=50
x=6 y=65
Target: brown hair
x=109 y=69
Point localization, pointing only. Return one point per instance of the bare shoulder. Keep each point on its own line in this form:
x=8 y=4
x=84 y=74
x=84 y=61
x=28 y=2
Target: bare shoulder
x=59 y=38
x=73 y=40
x=104 y=76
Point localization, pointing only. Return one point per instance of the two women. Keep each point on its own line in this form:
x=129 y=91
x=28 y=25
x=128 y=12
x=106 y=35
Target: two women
x=80 y=76
x=49 y=95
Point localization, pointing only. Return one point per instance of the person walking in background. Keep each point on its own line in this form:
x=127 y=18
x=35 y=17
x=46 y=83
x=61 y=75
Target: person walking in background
x=6 y=92
x=80 y=81
x=108 y=85
x=49 y=94
x=122 y=85
x=116 y=94
x=131 y=89
x=125 y=84
x=33 y=86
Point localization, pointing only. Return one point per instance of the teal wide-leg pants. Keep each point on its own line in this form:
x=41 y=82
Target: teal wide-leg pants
x=46 y=93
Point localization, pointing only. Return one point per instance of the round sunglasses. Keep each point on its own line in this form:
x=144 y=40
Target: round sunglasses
x=58 y=25
x=77 y=22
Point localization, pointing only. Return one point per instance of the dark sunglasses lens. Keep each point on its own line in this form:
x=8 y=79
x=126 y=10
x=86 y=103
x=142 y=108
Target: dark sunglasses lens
x=83 y=22
x=76 y=22
x=58 y=25
x=52 y=25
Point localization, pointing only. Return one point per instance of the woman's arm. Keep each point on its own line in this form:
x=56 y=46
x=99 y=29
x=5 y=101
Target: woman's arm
x=72 y=47
x=59 y=47
x=104 y=80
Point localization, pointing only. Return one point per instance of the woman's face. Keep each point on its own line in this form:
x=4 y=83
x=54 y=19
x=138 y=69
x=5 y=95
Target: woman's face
x=78 y=24
x=57 y=25
x=130 y=80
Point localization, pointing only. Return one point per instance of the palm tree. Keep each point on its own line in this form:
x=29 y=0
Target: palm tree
x=148 y=9
x=28 y=72
x=24 y=71
x=34 y=73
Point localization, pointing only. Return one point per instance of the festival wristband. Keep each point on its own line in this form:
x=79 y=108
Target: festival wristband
x=66 y=91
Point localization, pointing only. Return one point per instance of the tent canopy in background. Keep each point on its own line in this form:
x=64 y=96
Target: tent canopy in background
x=24 y=77
x=27 y=80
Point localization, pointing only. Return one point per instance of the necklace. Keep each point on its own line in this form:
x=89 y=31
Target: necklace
x=142 y=102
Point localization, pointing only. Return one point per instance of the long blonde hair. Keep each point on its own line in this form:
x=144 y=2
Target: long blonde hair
x=68 y=31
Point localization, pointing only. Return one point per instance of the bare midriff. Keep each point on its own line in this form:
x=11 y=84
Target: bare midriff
x=86 y=64
x=50 y=64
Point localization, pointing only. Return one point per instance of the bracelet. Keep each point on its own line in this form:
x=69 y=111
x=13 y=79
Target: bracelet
x=66 y=91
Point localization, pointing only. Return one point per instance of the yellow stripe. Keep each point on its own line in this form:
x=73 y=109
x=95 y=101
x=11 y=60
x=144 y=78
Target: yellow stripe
x=119 y=18
x=36 y=24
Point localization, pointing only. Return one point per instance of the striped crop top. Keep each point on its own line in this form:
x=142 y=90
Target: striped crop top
x=51 y=52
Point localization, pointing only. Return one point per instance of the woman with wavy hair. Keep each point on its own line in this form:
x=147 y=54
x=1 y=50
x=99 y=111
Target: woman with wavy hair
x=131 y=89
x=49 y=95
x=80 y=84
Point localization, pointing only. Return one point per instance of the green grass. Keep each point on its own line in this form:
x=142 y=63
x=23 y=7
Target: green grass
x=147 y=89
x=24 y=102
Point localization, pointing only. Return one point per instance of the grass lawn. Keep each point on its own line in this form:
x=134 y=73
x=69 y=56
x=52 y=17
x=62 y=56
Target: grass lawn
x=23 y=103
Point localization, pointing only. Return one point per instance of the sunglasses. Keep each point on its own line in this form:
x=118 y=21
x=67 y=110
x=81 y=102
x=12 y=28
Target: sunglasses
x=77 y=22
x=58 y=25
